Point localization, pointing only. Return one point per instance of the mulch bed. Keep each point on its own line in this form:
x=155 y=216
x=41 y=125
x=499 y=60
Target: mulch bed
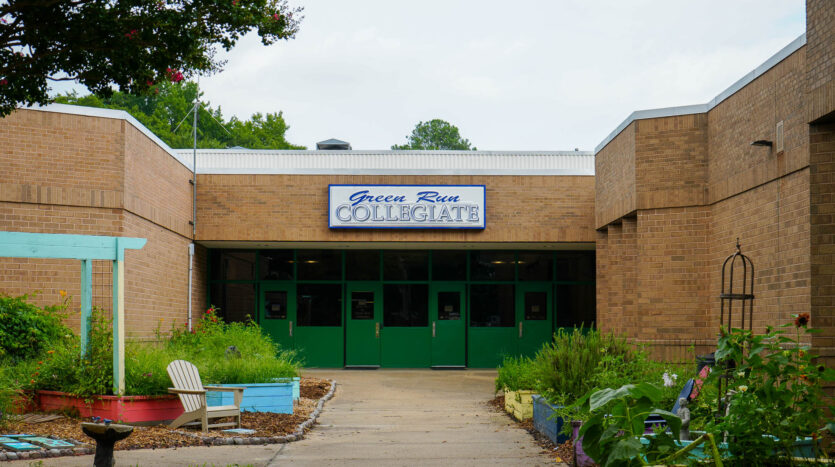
x=560 y=453
x=153 y=437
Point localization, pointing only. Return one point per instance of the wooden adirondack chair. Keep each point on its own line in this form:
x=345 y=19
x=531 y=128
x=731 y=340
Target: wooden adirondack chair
x=192 y=394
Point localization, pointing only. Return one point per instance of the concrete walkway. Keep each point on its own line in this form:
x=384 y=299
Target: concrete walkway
x=378 y=417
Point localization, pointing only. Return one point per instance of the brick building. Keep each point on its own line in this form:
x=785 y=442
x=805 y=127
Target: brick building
x=631 y=236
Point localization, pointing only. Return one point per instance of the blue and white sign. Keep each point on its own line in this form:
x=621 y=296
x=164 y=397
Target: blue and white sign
x=406 y=206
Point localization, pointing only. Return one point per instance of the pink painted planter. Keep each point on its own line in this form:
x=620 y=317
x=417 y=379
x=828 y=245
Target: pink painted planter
x=126 y=409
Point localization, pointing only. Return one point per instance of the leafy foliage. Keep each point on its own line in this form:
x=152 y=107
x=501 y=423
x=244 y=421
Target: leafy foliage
x=162 y=109
x=26 y=330
x=776 y=389
x=129 y=44
x=612 y=435
x=435 y=134
x=517 y=373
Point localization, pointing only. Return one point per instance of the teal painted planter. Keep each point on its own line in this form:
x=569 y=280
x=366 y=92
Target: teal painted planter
x=262 y=397
x=296 y=385
x=802 y=448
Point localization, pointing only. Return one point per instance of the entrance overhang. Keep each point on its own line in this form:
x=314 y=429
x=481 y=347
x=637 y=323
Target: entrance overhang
x=342 y=245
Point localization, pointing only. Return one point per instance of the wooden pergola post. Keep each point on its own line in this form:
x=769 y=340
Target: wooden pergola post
x=85 y=248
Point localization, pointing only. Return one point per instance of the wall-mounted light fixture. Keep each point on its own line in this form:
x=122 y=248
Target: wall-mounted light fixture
x=762 y=142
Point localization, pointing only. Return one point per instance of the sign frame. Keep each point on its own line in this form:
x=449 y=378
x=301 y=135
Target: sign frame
x=483 y=225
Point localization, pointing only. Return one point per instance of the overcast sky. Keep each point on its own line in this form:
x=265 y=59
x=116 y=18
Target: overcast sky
x=524 y=75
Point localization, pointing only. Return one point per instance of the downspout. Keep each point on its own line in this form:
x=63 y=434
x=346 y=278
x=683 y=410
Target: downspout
x=193 y=215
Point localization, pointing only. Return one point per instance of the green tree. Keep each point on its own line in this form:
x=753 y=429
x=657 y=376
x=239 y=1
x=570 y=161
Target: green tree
x=162 y=109
x=126 y=44
x=436 y=134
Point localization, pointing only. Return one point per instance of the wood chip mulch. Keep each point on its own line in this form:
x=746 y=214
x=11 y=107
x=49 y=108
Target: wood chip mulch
x=560 y=453
x=153 y=437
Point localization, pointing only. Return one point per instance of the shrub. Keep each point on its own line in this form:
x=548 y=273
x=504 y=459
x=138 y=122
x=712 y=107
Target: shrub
x=517 y=373
x=26 y=330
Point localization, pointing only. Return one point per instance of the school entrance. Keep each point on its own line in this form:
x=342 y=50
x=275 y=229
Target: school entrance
x=405 y=308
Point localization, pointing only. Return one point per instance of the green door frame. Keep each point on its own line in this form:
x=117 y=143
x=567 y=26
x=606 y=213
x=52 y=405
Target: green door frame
x=362 y=335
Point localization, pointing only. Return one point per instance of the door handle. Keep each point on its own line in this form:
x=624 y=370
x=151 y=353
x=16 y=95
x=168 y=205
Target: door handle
x=520 y=329
x=377 y=330
x=433 y=329
x=291 y=328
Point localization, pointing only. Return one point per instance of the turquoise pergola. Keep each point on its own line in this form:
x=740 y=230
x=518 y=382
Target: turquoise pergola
x=85 y=248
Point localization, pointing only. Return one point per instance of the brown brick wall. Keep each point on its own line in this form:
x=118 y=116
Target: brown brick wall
x=295 y=208
x=822 y=180
x=615 y=195
x=820 y=52
x=97 y=176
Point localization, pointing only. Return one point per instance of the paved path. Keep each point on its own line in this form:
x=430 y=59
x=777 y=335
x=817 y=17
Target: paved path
x=382 y=417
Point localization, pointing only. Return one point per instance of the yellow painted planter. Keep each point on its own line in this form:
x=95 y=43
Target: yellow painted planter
x=519 y=404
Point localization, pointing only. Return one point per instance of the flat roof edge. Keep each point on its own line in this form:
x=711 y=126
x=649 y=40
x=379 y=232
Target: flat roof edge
x=772 y=61
x=351 y=171
x=114 y=114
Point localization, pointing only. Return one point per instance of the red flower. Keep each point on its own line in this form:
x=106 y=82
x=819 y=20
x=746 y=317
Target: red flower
x=276 y=17
x=802 y=320
x=3 y=82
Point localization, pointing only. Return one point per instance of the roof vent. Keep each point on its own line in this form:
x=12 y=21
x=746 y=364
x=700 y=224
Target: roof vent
x=333 y=145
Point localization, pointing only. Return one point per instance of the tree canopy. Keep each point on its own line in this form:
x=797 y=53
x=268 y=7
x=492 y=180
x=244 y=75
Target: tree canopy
x=129 y=45
x=162 y=109
x=435 y=134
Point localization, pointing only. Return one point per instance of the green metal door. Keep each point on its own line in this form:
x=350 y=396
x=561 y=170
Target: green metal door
x=534 y=316
x=319 y=336
x=363 y=323
x=446 y=313
x=277 y=313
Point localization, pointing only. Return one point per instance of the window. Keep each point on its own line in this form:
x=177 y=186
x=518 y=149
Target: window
x=362 y=305
x=233 y=265
x=276 y=265
x=275 y=305
x=236 y=301
x=449 y=265
x=492 y=306
x=449 y=306
x=576 y=305
x=492 y=266
x=536 y=306
x=575 y=266
x=535 y=266
x=409 y=265
x=405 y=305
x=319 y=265
x=362 y=265
x=319 y=304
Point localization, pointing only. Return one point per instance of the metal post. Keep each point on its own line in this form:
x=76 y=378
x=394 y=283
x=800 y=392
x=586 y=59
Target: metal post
x=86 y=302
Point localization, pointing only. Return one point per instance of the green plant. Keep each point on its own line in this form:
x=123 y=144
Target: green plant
x=612 y=435
x=775 y=389
x=26 y=330
x=517 y=373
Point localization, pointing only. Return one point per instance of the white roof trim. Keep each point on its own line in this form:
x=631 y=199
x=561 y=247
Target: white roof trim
x=115 y=114
x=703 y=108
x=355 y=162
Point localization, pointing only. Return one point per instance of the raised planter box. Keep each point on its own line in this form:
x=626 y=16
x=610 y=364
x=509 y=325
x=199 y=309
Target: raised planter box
x=126 y=409
x=296 y=385
x=545 y=422
x=262 y=397
x=519 y=404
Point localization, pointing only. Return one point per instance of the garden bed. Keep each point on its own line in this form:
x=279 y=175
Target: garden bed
x=270 y=427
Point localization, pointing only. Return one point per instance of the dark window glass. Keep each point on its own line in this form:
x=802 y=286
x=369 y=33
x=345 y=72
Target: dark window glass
x=410 y=265
x=492 y=305
x=275 y=304
x=319 y=265
x=362 y=305
x=277 y=265
x=492 y=266
x=536 y=305
x=576 y=305
x=362 y=265
x=405 y=305
x=575 y=265
x=449 y=306
x=449 y=265
x=233 y=265
x=236 y=301
x=319 y=304
x=535 y=266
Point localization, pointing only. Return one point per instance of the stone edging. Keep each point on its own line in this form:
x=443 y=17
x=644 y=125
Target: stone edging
x=207 y=440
